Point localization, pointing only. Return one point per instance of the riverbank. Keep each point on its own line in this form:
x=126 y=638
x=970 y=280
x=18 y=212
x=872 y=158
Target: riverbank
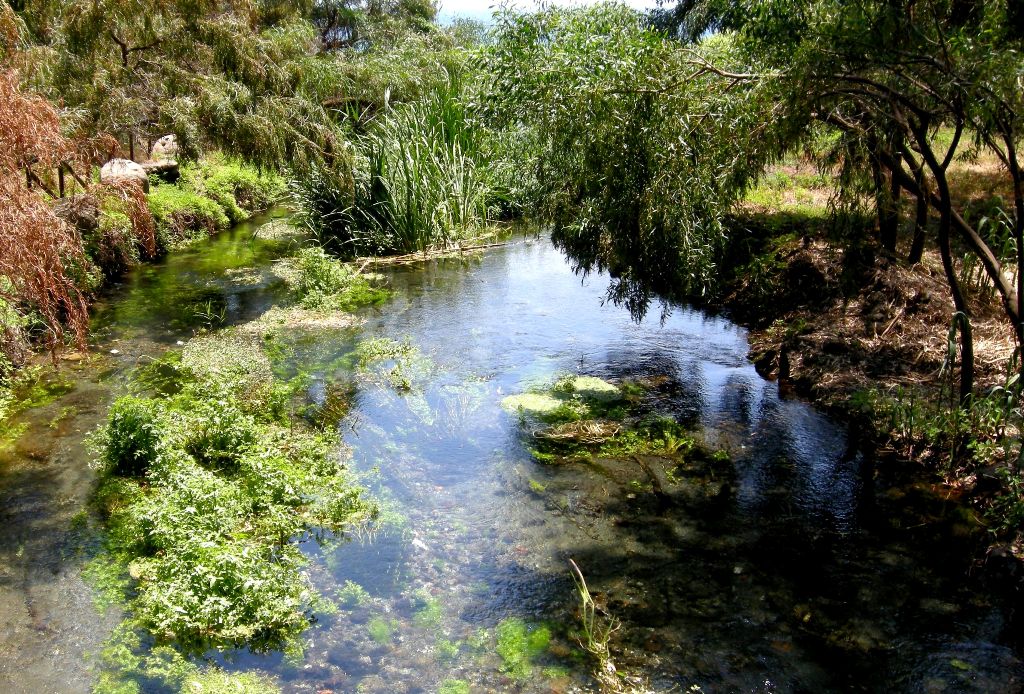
x=865 y=335
x=116 y=228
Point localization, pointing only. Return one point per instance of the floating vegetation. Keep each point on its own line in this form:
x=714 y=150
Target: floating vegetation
x=394 y=363
x=205 y=492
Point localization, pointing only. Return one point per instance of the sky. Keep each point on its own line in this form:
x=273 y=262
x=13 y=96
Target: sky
x=481 y=9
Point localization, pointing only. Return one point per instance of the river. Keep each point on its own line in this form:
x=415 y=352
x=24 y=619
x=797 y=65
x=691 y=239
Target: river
x=800 y=564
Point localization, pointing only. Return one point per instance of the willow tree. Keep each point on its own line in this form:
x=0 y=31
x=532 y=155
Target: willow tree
x=643 y=145
x=227 y=74
x=889 y=74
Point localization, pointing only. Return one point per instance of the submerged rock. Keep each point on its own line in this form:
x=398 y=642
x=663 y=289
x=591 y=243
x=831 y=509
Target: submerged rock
x=594 y=388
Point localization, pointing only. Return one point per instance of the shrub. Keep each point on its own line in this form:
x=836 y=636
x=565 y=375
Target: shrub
x=240 y=190
x=183 y=216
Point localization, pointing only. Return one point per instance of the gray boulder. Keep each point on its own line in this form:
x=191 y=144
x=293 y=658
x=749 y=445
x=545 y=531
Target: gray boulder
x=165 y=148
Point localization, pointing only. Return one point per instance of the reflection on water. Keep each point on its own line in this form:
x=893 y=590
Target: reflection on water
x=767 y=575
x=780 y=570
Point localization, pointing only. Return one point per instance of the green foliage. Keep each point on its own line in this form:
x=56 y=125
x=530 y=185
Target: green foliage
x=183 y=216
x=241 y=190
x=324 y=283
x=638 y=153
x=131 y=441
x=207 y=531
x=420 y=180
x=519 y=645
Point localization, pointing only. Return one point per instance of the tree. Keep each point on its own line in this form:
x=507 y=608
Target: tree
x=235 y=75
x=659 y=116
x=641 y=151
x=38 y=252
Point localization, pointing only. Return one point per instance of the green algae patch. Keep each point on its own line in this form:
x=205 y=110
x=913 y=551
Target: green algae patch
x=454 y=687
x=533 y=403
x=519 y=644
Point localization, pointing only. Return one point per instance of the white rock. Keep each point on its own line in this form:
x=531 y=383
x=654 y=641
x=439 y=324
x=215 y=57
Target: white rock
x=165 y=148
x=124 y=170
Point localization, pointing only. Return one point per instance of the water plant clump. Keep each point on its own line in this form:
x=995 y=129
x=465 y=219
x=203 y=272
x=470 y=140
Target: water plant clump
x=204 y=494
x=394 y=363
x=324 y=283
x=520 y=644
x=582 y=416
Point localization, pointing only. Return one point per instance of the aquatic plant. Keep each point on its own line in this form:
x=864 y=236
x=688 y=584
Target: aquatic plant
x=381 y=630
x=395 y=363
x=203 y=496
x=324 y=283
x=454 y=687
x=595 y=629
x=519 y=644
x=430 y=612
x=351 y=594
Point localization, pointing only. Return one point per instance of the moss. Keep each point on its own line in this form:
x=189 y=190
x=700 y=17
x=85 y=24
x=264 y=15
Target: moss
x=519 y=644
x=220 y=682
x=183 y=216
x=532 y=403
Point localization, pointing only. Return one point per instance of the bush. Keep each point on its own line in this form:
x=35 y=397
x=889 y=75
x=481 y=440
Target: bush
x=131 y=441
x=183 y=216
x=240 y=190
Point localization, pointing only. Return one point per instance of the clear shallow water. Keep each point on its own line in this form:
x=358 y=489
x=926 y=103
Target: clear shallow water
x=786 y=569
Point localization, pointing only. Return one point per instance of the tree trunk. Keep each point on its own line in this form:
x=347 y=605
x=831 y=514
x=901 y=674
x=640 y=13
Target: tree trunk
x=920 y=218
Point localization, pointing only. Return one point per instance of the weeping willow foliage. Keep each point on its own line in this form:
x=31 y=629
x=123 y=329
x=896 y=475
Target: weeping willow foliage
x=226 y=74
x=639 y=152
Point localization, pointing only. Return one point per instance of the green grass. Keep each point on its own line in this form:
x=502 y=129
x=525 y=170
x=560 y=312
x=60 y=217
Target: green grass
x=183 y=216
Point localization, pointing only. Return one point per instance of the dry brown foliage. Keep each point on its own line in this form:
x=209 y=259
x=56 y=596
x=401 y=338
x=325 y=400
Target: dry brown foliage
x=39 y=252
x=131 y=200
